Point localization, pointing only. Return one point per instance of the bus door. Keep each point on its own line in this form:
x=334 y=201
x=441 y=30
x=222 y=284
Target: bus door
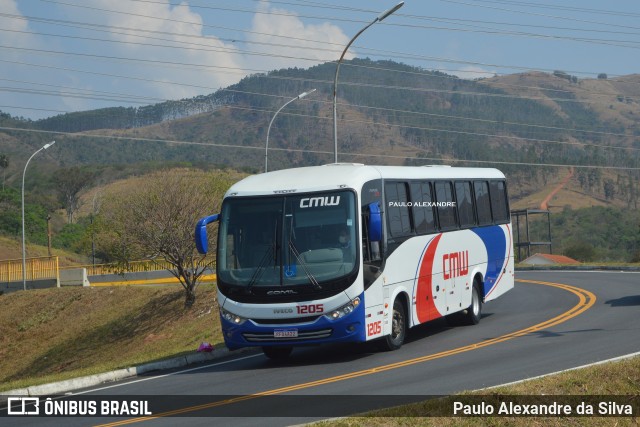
x=451 y=251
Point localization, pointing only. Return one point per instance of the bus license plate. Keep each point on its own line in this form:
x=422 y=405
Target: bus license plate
x=285 y=333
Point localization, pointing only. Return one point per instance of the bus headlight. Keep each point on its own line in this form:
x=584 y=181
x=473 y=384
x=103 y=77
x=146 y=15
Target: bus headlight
x=344 y=310
x=233 y=318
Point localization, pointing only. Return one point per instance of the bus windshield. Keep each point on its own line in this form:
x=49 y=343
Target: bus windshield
x=287 y=240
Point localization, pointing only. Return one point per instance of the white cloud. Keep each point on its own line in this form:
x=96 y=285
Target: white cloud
x=15 y=28
x=10 y=7
x=217 y=64
x=173 y=46
x=473 y=72
x=319 y=43
x=171 y=42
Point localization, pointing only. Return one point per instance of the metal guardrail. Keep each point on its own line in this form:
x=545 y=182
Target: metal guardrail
x=42 y=268
x=131 y=267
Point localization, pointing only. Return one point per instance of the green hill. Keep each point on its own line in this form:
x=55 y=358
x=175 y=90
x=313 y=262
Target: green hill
x=388 y=113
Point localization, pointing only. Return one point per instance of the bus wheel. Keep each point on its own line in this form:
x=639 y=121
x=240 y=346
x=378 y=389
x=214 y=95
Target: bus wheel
x=474 y=311
x=398 y=327
x=277 y=352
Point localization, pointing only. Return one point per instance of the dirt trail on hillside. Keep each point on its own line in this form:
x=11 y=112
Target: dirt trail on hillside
x=545 y=203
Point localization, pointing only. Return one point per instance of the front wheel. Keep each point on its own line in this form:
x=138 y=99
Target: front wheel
x=398 y=328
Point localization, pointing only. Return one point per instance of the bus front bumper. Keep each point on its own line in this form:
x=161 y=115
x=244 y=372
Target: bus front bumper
x=349 y=328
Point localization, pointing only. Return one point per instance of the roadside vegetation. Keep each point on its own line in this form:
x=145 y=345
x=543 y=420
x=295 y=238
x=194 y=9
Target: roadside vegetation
x=620 y=378
x=55 y=334
x=154 y=218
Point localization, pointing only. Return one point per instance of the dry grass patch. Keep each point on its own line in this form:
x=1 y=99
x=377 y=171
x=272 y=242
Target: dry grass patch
x=55 y=334
x=619 y=378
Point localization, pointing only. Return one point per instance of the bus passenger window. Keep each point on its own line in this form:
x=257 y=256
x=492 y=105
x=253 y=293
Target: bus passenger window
x=423 y=215
x=398 y=209
x=464 y=203
x=499 y=204
x=446 y=205
x=483 y=204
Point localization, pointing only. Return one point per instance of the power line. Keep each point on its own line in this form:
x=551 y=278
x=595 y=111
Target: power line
x=448 y=131
x=380 y=52
x=207 y=66
x=618 y=43
x=482 y=94
x=455 y=132
x=520 y=12
x=565 y=8
x=375 y=51
x=294 y=150
x=413 y=113
x=34 y=108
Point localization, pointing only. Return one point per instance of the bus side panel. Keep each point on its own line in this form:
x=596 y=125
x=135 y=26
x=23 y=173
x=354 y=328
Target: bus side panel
x=499 y=277
x=424 y=292
x=445 y=274
x=375 y=312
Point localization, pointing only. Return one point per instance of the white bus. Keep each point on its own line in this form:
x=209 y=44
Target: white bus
x=350 y=252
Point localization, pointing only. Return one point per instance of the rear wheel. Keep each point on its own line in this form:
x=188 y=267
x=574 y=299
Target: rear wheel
x=277 y=353
x=398 y=327
x=473 y=313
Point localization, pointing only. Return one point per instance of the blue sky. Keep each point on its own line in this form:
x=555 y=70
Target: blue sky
x=71 y=55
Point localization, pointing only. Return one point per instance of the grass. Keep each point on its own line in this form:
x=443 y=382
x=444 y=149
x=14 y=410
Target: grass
x=617 y=378
x=11 y=248
x=590 y=264
x=55 y=334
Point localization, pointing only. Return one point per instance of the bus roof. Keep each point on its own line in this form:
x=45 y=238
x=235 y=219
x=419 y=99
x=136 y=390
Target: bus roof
x=347 y=175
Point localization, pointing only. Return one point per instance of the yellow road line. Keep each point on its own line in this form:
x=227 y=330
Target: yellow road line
x=586 y=300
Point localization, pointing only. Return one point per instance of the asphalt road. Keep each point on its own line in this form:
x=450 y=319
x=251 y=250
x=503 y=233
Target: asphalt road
x=550 y=322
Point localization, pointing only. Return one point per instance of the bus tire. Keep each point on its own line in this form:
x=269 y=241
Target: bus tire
x=277 y=353
x=395 y=340
x=473 y=313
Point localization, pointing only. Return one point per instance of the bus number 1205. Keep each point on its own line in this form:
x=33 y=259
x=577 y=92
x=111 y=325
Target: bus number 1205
x=310 y=309
x=374 y=328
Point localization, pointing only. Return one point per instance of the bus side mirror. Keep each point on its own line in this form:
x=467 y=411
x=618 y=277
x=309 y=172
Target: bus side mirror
x=202 y=242
x=375 y=222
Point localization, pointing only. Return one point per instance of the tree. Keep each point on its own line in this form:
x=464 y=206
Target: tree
x=609 y=189
x=4 y=164
x=155 y=219
x=70 y=182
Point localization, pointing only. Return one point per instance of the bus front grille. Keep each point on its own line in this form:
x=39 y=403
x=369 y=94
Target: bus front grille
x=288 y=321
x=302 y=335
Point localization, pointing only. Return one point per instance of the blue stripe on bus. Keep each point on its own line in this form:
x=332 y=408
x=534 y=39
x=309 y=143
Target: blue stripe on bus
x=496 y=244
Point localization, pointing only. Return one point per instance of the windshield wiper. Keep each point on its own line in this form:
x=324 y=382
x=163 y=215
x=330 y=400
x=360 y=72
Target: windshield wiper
x=257 y=274
x=312 y=279
x=271 y=250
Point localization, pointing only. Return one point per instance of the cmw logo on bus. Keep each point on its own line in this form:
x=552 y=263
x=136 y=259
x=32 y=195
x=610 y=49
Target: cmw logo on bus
x=313 y=202
x=455 y=264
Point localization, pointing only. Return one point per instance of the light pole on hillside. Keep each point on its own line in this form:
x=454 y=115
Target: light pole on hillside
x=266 y=146
x=24 y=252
x=379 y=18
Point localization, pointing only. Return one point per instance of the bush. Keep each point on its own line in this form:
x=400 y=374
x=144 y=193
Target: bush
x=581 y=251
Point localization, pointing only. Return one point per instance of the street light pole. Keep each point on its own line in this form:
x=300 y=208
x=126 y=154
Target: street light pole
x=266 y=147
x=379 y=18
x=24 y=252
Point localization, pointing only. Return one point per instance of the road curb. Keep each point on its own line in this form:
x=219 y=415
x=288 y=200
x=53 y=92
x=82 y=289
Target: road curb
x=588 y=365
x=61 y=387
x=576 y=268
